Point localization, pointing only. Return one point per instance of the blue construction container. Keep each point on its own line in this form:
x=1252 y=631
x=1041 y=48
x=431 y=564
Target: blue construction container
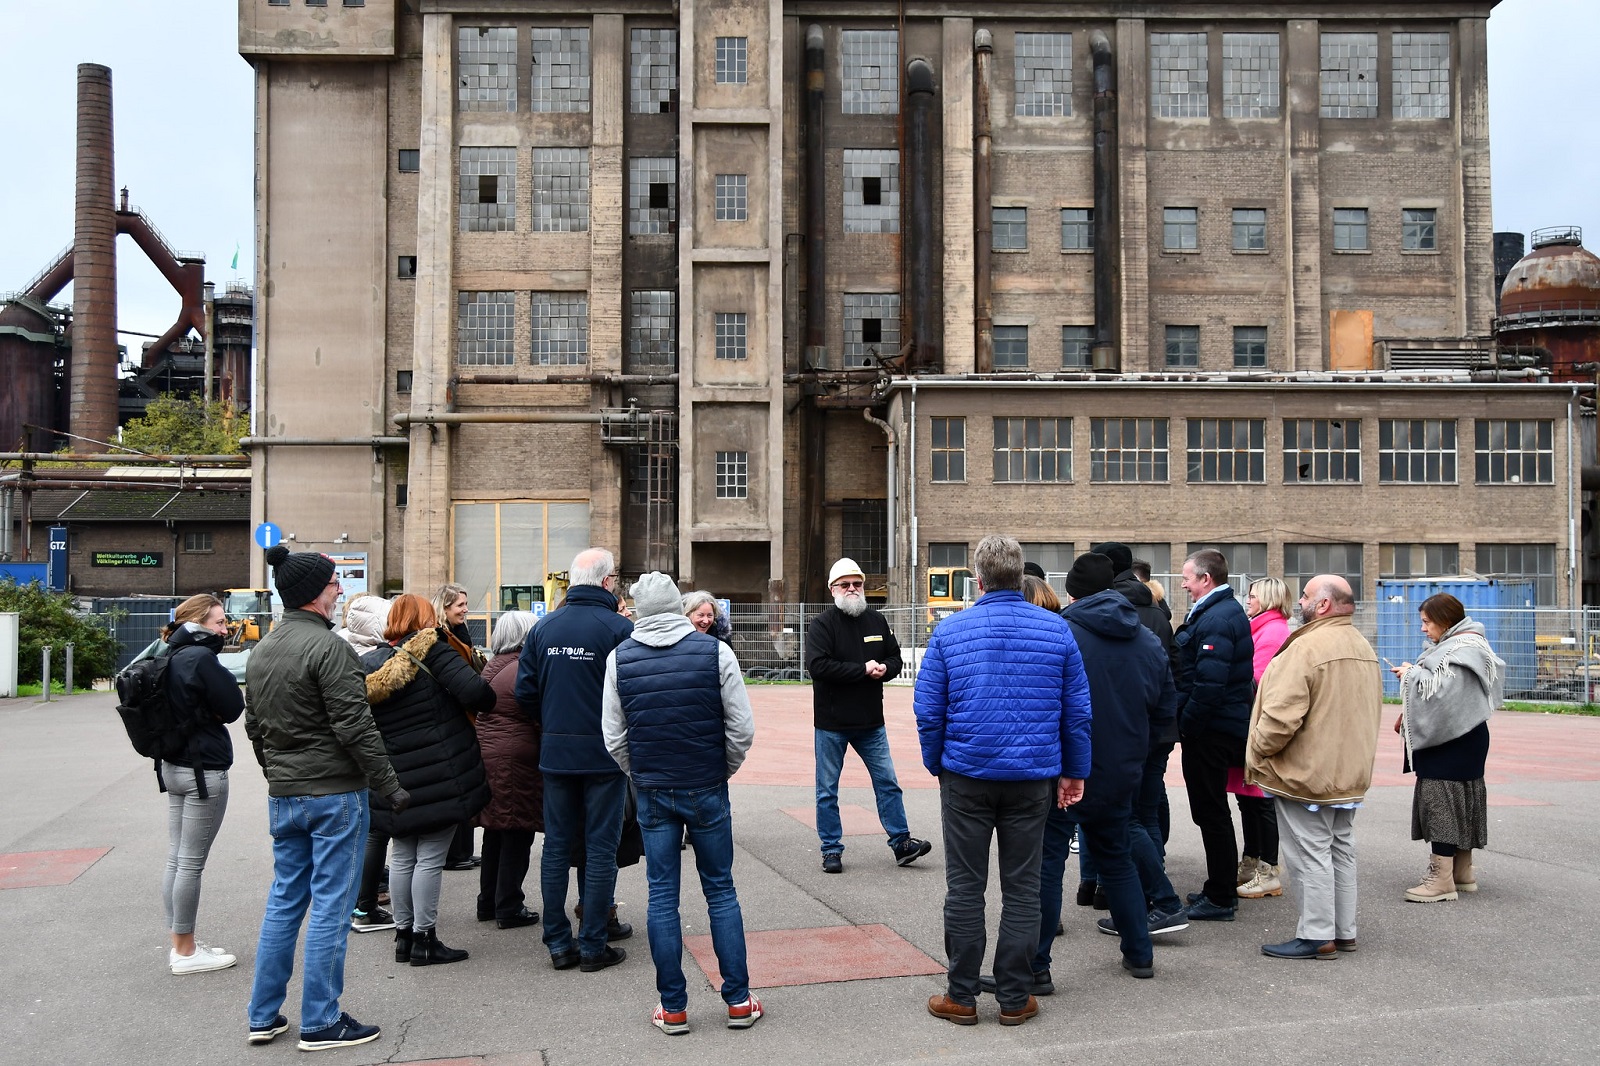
x=1506 y=609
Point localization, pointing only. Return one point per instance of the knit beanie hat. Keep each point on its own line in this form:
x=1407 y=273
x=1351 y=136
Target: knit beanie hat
x=1033 y=568
x=1121 y=555
x=1090 y=573
x=299 y=577
x=655 y=593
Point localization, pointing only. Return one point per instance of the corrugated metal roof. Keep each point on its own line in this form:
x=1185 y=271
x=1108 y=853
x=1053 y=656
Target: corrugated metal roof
x=111 y=505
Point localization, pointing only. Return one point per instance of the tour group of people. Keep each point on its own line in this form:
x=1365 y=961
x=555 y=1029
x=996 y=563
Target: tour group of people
x=387 y=739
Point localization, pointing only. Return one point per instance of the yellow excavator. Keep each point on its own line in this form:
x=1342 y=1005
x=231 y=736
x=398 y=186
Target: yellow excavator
x=249 y=614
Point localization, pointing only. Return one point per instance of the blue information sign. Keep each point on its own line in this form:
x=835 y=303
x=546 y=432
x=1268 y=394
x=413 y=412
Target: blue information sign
x=268 y=535
x=56 y=571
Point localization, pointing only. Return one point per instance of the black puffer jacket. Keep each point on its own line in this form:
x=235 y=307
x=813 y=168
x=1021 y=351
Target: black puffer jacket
x=197 y=681
x=422 y=714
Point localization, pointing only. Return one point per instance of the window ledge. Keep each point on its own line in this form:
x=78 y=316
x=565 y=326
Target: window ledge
x=1180 y=251
x=1421 y=251
x=1009 y=251
x=1352 y=251
x=1252 y=251
x=1077 y=251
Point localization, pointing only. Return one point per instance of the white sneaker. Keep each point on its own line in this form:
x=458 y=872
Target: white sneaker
x=203 y=960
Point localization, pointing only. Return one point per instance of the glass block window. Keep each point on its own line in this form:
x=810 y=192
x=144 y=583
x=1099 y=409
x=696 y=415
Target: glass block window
x=1302 y=562
x=1183 y=346
x=871 y=327
x=1421 y=75
x=1127 y=449
x=1321 y=450
x=864 y=533
x=560 y=190
x=1077 y=229
x=1349 y=76
x=1398 y=562
x=1522 y=562
x=732 y=61
x=870 y=84
x=1419 y=229
x=1032 y=449
x=488 y=190
x=653 y=327
x=1011 y=347
x=1077 y=347
x=410 y=160
x=1350 y=229
x=732 y=197
x=1511 y=452
x=733 y=475
x=948 y=553
x=652 y=71
x=652 y=196
x=486 y=68
x=1228 y=450
x=484 y=324
x=730 y=328
x=1179 y=75
x=1250 y=63
x=948 y=452
x=1009 y=229
x=1180 y=229
x=1417 y=450
x=560 y=328
x=1044 y=74
x=1250 y=347
x=1249 y=229
x=871 y=190
x=561 y=78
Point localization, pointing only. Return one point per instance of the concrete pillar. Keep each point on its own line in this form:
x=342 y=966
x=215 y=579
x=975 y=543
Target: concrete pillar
x=1133 y=115
x=94 y=263
x=1302 y=58
x=960 y=252
x=609 y=102
x=1475 y=266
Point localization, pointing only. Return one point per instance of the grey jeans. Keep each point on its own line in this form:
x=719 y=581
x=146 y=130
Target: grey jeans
x=416 y=866
x=1319 y=852
x=192 y=825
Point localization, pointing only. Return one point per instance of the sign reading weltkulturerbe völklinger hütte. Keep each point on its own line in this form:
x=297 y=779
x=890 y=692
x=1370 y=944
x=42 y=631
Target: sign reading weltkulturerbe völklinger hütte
x=137 y=559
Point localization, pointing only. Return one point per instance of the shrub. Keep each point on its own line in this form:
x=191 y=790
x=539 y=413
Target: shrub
x=49 y=618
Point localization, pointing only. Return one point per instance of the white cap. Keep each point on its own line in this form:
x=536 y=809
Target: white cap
x=845 y=568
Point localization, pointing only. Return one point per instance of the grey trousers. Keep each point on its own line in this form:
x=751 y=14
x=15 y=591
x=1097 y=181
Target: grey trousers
x=973 y=813
x=192 y=825
x=1319 y=852
x=416 y=866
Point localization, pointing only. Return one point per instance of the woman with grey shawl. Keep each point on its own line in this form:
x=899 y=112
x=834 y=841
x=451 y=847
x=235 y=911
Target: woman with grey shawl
x=1447 y=696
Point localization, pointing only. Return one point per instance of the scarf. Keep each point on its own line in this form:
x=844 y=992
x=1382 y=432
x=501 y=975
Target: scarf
x=1452 y=688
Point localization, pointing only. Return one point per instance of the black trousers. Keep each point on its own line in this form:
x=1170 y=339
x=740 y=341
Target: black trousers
x=1206 y=760
x=461 y=844
x=506 y=854
x=372 y=870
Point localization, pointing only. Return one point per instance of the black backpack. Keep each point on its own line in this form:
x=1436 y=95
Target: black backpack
x=158 y=727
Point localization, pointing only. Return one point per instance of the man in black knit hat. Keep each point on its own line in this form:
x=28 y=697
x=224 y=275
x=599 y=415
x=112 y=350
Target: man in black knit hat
x=307 y=717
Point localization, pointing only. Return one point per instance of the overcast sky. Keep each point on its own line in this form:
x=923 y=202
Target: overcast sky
x=183 y=111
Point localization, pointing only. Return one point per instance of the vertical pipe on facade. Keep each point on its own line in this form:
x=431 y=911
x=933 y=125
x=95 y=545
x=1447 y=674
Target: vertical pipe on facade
x=94 y=263
x=902 y=249
x=982 y=193
x=921 y=287
x=815 y=420
x=1107 y=349
x=894 y=459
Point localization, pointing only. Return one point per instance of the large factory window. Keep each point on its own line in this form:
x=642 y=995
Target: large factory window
x=947 y=450
x=561 y=79
x=732 y=65
x=560 y=328
x=1044 y=74
x=1009 y=229
x=947 y=553
x=653 y=328
x=1522 y=562
x=1183 y=346
x=1011 y=347
x=653 y=71
x=1417 y=450
x=730 y=329
x=652 y=196
x=1512 y=452
x=1302 y=562
x=1397 y=562
x=732 y=197
x=1245 y=561
x=1227 y=450
x=484 y=327
x=1032 y=449
x=502 y=551
x=1179 y=75
x=1321 y=450
x=1077 y=347
x=1421 y=75
x=871 y=190
x=865 y=534
x=486 y=68
x=488 y=189
x=1250 y=347
x=1127 y=449
x=1419 y=229
x=1349 y=75
x=560 y=190
x=1077 y=229
x=871 y=327
x=733 y=475
x=870 y=83
x=1250 y=63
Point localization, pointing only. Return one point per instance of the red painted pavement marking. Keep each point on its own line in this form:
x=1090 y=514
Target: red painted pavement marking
x=39 y=869
x=857 y=820
x=819 y=956
x=784 y=752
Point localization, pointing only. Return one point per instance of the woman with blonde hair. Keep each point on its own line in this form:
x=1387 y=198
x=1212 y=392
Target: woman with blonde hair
x=199 y=688
x=702 y=611
x=1268 y=606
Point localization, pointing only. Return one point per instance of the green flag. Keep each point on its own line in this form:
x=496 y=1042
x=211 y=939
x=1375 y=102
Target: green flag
x=235 y=265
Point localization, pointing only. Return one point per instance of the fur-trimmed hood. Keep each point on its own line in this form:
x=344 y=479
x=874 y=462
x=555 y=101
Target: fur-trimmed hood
x=399 y=670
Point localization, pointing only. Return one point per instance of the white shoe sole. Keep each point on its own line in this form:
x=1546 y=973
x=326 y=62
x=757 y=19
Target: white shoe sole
x=354 y=928
x=267 y=1036
x=213 y=962
x=329 y=1045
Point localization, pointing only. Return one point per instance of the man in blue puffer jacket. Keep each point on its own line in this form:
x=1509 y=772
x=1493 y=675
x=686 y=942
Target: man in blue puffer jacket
x=1003 y=715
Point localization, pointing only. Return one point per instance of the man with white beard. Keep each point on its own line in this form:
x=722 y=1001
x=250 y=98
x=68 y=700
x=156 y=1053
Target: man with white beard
x=851 y=652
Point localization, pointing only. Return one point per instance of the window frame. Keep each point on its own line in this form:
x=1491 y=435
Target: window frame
x=1019 y=438
x=1176 y=230
x=1173 y=345
x=1251 y=357
x=1419 y=236
x=1351 y=226
x=732 y=475
x=1014 y=227
x=1346 y=455
x=1392 y=455
x=1540 y=455
x=941 y=447
x=1074 y=225
x=1246 y=231
x=1253 y=454
x=1157 y=456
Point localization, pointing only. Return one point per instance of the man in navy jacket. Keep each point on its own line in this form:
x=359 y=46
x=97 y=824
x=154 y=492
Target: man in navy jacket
x=559 y=681
x=1003 y=716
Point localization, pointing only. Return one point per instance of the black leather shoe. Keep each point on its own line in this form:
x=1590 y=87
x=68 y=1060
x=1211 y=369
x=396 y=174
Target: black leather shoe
x=402 y=945
x=465 y=864
x=609 y=957
x=518 y=920
x=1086 y=893
x=426 y=950
x=565 y=960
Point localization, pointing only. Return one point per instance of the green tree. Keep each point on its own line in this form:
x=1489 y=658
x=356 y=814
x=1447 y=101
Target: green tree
x=174 y=425
x=49 y=618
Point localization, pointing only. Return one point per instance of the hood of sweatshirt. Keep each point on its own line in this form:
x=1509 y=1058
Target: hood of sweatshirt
x=1106 y=614
x=661 y=630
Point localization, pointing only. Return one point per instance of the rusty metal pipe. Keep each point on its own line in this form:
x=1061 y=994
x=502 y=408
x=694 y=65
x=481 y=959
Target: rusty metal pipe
x=982 y=209
x=1106 y=351
x=923 y=296
x=119 y=460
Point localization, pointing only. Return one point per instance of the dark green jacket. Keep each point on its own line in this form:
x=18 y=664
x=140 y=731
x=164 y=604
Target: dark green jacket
x=306 y=713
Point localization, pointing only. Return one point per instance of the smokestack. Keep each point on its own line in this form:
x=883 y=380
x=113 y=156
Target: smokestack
x=94 y=263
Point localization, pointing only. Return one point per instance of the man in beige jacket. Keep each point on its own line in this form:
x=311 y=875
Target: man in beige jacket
x=1313 y=734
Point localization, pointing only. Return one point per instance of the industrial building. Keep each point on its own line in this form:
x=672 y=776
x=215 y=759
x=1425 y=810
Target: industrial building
x=736 y=288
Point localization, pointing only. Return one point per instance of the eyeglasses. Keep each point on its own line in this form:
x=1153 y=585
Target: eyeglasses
x=847 y=584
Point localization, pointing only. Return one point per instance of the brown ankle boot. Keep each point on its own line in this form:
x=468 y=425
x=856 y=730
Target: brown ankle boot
x=1466 y=880
x=1438 y=885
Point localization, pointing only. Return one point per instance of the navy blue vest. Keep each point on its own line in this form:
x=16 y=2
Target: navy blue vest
x=672 y=700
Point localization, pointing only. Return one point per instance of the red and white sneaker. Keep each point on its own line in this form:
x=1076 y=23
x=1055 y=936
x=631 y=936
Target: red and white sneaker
x=744 y=1015
x=671 y=1022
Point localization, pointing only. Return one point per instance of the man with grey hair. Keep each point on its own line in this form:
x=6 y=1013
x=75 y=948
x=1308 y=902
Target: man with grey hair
x=850 y=653
x=560 y=679
x=1003 y=714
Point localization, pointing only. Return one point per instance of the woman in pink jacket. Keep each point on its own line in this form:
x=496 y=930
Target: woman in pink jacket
x=1259 y=873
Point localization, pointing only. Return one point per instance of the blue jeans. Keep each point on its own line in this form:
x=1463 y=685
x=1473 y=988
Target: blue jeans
x=1059 y=826
x=1150 y=807
x=317 y=844
x=584 y=808
x=873 y=747
x=1105 y=828
x=664 y=815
